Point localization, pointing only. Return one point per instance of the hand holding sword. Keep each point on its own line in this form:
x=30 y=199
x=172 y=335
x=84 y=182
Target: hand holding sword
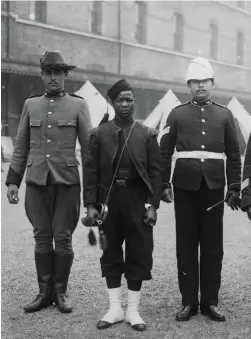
x=232 y=199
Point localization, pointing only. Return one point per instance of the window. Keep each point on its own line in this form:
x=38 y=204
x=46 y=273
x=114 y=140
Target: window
x=241 y=4
x=37 y=11
x=213 y=41
x=96 y=17
x=140 y=33
x=178 y=32
x=240 y=48
x=32 y=10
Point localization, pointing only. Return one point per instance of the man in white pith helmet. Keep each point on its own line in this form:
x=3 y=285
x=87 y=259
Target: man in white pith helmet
x=202 y=132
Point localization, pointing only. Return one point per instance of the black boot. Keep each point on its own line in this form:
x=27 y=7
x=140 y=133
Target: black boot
x=62 y=269
x=44 y=267
x=212 y=312
x=186 y=313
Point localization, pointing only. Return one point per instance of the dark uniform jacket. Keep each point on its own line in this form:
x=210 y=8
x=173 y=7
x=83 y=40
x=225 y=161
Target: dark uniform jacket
x=46 y=140
x=191 y=127
x=246 y=180
x=143 y=150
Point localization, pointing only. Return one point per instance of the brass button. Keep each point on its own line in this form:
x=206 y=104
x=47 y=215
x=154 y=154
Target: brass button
x=202 y=109
x=49 y=126
x=203 y=132
x=52 y=100
x=48 y=140
x=203 y=120
x=202 y=160
x=202 y=146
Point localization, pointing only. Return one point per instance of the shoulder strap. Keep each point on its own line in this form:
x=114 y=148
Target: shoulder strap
x=75 y=95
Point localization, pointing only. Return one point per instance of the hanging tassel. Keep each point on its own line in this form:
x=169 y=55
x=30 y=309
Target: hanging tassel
x=92 y=237
x=104 y=119
x=102 y=240
x=106 y=115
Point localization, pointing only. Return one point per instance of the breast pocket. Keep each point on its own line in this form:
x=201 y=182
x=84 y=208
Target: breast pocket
x=35 y=133
x=67 y=133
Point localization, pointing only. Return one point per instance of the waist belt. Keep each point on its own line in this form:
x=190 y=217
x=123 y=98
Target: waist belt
x=125 y=181
x=200 y=155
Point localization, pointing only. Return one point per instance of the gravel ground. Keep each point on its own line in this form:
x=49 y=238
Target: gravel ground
x=160 y=296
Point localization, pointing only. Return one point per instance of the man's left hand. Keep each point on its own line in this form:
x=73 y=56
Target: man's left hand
x=233 y=199
x=150 y=216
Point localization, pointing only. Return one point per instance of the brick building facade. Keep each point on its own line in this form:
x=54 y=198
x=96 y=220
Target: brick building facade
x=148 y=42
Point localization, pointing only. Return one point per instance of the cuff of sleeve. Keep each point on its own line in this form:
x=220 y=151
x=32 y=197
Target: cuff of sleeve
x=246 y=202
x=166 y=185
x=89 y=198
x=234 y=187
x=151 y=200
x=13 y=178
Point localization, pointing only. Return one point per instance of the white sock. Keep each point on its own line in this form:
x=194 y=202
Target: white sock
x=115 y=312
x=132 y=313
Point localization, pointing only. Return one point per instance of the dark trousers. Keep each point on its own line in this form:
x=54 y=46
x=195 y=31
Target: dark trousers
x=125 y=224
x=195 y=226
x=53 y=210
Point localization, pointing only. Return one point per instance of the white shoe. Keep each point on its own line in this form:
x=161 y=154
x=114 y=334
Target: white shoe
x=115 y=313
x=132 y=314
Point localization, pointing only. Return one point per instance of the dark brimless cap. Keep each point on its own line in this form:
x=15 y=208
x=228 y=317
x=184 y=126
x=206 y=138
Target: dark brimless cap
x=121 y=85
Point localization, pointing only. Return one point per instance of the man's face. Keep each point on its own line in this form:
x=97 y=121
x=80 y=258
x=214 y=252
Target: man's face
x=53 y=80
x=124 y=104
x=201 y=89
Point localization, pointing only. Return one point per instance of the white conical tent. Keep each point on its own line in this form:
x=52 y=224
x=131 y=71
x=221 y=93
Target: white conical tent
x=96 y=102
x=160 y=113
x=242 y=116
x=97 y=106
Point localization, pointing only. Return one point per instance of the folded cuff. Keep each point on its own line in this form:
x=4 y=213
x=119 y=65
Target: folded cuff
x=13 y=178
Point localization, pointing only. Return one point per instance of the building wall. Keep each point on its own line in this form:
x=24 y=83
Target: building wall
x=156 y=59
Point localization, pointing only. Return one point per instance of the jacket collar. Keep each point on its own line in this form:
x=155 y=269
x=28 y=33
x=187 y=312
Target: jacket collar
x=54 y=95
x=201 y=104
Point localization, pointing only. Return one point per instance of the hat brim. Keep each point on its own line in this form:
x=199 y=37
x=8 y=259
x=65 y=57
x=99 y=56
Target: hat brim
x=64 y=67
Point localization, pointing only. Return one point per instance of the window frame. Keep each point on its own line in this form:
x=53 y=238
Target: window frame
x=140 y=24
x=96 y=17
x=178 y=35
x=214 y=41
x=240 y=47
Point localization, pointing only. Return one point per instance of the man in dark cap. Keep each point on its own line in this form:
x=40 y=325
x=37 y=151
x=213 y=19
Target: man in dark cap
x=203 y=133
x=246 y=181
x=45 y=143
x=132 y=201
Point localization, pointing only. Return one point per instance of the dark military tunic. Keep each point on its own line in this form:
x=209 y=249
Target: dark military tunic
x=46 y=144
x=140 y=168
x=198 y=184
x=246 y=180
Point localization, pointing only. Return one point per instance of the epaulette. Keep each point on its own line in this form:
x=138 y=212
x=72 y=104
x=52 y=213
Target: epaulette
x=186 y=103
x=75 y=95
x=35 y=96
x=216 y=103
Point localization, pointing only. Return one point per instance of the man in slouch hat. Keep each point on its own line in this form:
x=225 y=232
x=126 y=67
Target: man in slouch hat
x=203 y=132
x=246 y=181
x=45 y=143
x=132 y=201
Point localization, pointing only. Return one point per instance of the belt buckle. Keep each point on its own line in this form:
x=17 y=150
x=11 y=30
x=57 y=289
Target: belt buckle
x=202 y=154
x=121 y=182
